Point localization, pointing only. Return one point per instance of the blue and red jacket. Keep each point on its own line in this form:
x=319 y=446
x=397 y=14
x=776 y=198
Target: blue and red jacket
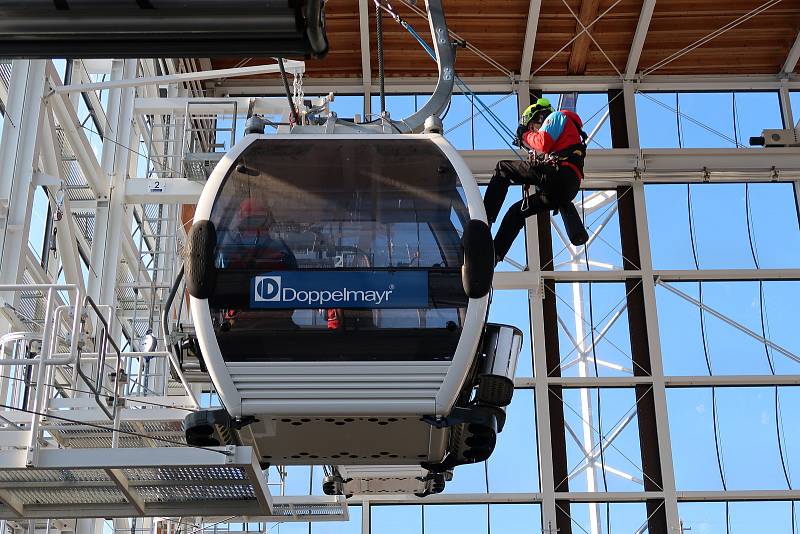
x=560 y=132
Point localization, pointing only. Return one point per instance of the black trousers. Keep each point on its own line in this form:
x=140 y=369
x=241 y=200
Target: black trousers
x=554 y=186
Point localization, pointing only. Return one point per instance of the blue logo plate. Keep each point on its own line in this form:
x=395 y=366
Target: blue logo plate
x=347 y=289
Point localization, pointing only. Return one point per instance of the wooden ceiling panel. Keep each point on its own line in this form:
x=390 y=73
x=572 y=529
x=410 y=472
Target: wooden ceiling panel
x=756 y=46
x=613 y=32
x=497 y=27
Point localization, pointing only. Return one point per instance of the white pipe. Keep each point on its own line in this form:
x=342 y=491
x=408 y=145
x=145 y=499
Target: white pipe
x=291 y=66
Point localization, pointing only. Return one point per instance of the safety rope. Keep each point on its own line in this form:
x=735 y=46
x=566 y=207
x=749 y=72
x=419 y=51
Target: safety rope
x=379 y=39
x=469 y=46
x=295 y=117
x=465 y=88
x=50 y=415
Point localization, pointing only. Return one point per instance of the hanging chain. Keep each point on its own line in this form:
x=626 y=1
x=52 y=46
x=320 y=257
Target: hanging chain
x=298 y=95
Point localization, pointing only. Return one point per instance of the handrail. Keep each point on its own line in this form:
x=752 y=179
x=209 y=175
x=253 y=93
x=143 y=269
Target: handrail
x=105 y=339
x=69 y=360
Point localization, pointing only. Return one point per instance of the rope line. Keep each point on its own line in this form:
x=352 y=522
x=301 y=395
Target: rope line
x=713 y=35
x=586 y=28
x=611 y=444
x=111 y=429
x=624 y=298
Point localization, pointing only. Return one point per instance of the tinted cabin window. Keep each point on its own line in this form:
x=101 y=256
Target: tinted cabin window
x=317 y=206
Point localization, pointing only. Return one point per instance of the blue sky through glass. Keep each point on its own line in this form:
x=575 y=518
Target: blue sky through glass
x=745 y=417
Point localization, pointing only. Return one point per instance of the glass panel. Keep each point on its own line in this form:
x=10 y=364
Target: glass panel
x=758 y=224
x=744 y=446
x=38 y=227
x=705 y=120
x=388 y=212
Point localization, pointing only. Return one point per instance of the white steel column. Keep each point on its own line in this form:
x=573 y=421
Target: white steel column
x=792 y=58
x=538 y=351
x=784 y=97
x=366 y=68
x=17 y=157
x=366 y=517
x=110 y=211
x=65 y=238
x=656 y=363
x=530 y=41
x=587 y=413
x=540 y=371
x=631 y=121
x=639 y=38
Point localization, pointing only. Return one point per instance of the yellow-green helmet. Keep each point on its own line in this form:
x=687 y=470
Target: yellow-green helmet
x=530 y=113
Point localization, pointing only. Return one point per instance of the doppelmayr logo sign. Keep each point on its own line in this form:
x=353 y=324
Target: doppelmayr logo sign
x=297 y=289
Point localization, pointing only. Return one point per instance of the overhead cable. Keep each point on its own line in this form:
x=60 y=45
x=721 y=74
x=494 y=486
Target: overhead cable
x=50 y=415
x=716 y=33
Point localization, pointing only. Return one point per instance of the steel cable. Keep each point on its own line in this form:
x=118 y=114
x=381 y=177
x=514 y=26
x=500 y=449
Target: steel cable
x=379 y=39
x=713 y=35
x=111 y=429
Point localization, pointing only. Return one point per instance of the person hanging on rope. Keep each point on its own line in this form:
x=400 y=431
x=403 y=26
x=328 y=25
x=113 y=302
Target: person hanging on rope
x=557 y=147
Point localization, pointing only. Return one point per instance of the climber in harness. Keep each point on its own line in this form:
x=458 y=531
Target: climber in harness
x=557 y=147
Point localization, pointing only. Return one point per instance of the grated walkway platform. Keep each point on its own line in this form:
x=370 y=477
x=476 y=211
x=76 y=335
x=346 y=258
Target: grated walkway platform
x=162 y=481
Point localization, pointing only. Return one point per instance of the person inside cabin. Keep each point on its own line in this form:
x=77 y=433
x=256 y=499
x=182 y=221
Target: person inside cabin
x=248 y=244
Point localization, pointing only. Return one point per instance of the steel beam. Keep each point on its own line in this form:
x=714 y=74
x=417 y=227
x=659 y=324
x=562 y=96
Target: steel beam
x=363 y=31
x=639 y=38
x=167 y=191
x=791 y=59
x=498 y=84
x=527 y=279
x=13 y=503
x=22 y=122
x=67 y=118
x=667 y=165
x=703 y=381
x=65 y=236
x=178 y=105
x=659 y=396
x=290 y=65
x=530 y=40
x=123 y=484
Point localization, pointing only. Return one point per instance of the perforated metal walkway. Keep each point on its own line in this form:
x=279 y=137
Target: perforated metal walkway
x=162 y=481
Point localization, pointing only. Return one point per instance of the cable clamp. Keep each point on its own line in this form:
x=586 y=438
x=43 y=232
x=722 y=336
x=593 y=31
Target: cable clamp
x=706 y=175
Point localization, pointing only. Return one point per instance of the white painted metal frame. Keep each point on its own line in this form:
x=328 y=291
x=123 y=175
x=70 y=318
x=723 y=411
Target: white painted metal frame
x=639 y=38
x=605 y=169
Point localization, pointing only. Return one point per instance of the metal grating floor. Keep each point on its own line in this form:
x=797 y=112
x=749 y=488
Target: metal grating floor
x=169 y=481
x=148 y=434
